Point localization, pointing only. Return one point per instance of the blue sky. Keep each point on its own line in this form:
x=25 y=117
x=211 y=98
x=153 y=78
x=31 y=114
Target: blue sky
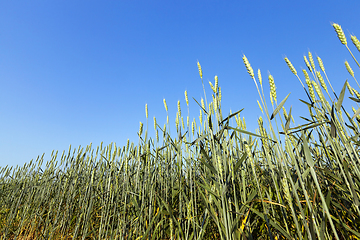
x=76 y=72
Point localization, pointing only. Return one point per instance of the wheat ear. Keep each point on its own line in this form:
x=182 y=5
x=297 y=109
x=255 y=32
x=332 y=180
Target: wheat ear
x=340 y=33
x=356 y=42
x=293 y=70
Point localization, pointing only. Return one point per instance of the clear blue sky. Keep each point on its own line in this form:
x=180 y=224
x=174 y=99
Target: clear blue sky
x=75 y=72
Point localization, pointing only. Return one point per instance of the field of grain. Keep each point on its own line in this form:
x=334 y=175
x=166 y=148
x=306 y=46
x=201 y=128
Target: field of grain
x=214 y=180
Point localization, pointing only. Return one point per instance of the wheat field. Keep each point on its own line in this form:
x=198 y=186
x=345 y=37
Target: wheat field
x=214 y=180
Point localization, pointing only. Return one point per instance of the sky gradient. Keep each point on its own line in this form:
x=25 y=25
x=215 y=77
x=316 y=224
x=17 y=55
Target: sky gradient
x=81 y=72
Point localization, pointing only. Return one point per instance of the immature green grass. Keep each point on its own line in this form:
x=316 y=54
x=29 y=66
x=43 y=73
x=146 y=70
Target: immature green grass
x=215 y=180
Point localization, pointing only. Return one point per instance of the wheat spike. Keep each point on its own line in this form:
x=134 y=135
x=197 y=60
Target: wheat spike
x=259 y=76
x=285 y=113
x=263 y=133
x=307 y=63
x=179 y=109
x=220 y=94
x=189 y=215
x=321 y=79
x=177 y=120
x=293 y=70
x=311 y=90
x=311 y=60
x=154 y=123
x=171 y=229
x=215 y=103
x=260 y=122
x=321 y=64
x=286 y=190
x=348 y=68
x=220 y=166
x=216 y=83
x=356 y=93
x=340 y=33
x=318 y=91
x=210 y=108
x=237 y=120
x=248 y=149
x=212 y=87
x=146 y=111
x=349 y=88
x=272 y=87
x=141 y=128
x=356 y=42
x=208 y=116
x=308 y=83
x=165 y=105
x=127 y=145
x=306 y=74
x=200 y=70
x=186 y=98
x=248 y=66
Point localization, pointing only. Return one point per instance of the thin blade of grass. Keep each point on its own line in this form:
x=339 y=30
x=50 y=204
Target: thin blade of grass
x=277 y=109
